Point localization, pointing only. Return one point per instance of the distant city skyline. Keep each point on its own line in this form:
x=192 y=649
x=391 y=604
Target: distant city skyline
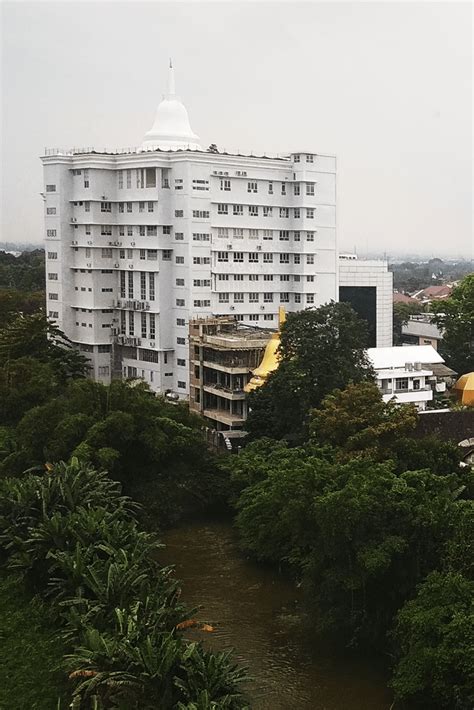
x=387 y=87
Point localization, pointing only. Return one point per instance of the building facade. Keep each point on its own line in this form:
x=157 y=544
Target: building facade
x=141 y=241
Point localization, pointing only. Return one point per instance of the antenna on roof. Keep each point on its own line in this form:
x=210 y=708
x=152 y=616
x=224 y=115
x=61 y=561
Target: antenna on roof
x=171 y=63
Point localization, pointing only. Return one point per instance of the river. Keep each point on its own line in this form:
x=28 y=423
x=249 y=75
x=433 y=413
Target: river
x=255 y=611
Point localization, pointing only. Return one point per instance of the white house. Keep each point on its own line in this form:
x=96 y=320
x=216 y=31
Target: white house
x=405 y=372
x=138 y=241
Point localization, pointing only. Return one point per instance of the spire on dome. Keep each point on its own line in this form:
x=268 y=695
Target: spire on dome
x=171 y=129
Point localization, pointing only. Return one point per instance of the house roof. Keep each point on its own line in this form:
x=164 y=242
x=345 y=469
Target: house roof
x=421 y=328
x=403 y=298
x=433 y=292
x=398 y=355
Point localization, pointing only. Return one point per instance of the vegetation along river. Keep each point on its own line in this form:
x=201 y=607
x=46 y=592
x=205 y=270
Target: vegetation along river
x=255 y=611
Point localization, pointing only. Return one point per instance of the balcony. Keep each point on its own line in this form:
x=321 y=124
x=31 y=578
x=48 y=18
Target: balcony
x=224 y=417
x=225 y=392
x=127 y=340
x=132 y=305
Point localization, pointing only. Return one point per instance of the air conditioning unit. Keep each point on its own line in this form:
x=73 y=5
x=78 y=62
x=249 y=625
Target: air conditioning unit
x=89 y=242
x=262 y=308
x=130 y=266
x=73 y=219
x=259 y=247
x=104 y=197
x=229 y=246
x=75 y=241
x=152 y=344
x=89 y=264
x=232 y=308
x=116 y=266
x=132 y=243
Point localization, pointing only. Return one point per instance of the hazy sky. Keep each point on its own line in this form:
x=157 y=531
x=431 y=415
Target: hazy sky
x=387 y=87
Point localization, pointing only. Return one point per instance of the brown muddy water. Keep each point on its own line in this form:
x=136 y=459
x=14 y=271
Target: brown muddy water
x=255 y=611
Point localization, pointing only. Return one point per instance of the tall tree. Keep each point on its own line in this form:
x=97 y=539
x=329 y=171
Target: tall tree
x=320 y=350
x=455 y=316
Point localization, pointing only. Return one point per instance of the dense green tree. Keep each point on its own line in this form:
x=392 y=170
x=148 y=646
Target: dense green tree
x=401 y=316
x=25 y=272
x=25 y=383
x=13 y=302
x=455 y=317
x=434 y=634
x=360 y=535
x=320 y=350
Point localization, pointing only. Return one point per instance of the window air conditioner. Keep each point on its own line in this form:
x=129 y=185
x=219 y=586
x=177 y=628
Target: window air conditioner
x=89 y=242
x=132 y=243
x=229 y=246
x=89 y=264
x=75 y=241
x=73 y=219
x=152 y=344
x=259 y=248
x=262 y=308
x=232 y=308
x=130 y=266
x=116 y=265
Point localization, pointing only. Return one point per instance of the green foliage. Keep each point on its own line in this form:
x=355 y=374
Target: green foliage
x=360 y=535
x=13 y=302
x=434 y=634
x=23 y=273
x=74 y=537
x=401 y=316
x=30 y=651
x=455 y=317
x=320 y=350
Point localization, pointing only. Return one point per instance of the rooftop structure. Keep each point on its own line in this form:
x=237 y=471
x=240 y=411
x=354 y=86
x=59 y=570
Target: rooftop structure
x=420 y=331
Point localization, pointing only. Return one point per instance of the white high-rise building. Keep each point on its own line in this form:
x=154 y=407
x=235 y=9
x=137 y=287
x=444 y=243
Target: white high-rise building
x=139 y=241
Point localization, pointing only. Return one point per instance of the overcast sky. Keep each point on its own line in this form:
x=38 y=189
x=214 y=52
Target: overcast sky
x=387 y=87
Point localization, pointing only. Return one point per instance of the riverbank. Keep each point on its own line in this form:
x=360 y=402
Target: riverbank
x=258 y=613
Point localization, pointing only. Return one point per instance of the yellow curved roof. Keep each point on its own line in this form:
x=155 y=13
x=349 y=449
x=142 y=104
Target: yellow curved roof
x=269 y=361
x=465 y=388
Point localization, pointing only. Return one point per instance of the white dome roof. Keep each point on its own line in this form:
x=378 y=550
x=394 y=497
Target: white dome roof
x=171 y=129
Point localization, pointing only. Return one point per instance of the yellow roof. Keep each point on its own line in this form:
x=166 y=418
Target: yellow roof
x=270 y=358
x=465 y=388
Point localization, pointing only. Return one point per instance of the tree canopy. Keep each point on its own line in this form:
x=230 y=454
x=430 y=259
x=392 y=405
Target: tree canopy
x=455 y=317
x=320 y=350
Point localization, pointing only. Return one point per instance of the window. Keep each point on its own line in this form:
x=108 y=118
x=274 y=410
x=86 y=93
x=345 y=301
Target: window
x=223 y=298
x=200 y=214
x=129 y=231
x=166 y=254
x=120 y=179
x=152 y=325
x=222 y=232
x=150 y=177
x=238 y=297
x=202 y=283
x=297 y=213
x=238 y=256
x=401 y=383
x=253 y=297
x=52 y=254
x=107 y=290
x=180 y=302
x=252 y=186
x=200 y=260
x=284 y=212
x=253 y=233
x=284 y=297
x=284 y=277
x=297 y=158
x=53 y=277
x=268 y=258
x=310 y=188
x=50 y=232
x=310 y=236
x=297 y=297
x=130 y=284
x=179 y=213
x=237 y=210
x=310 y=278
x=181 y=384
x=201 y=237
x=106 y=230
x=253 y=210
x=200 y=184
x=225 y=185
x=131 y=323
x=309 y=298
x=310 y=258
x=129 y=253
x=254 y=316
x=143 y=324
x=309 y=159
x=151 y=279
x=53 y=297
x=181 y=362
x=297 y=259
x=310 y=213
x=129 y=206
x=180 y=321
x=238 y=277
x=141 y=206
x=268 y=297
x=152 y=254
x=50 y=188
x=296 y=189
x=53 y=314
x=223 y=277
x=270 y=188
x=284 y=235
x=106 y=253
x=253 y=277
x=179 y=282
x=86 y=178
x=179 y=236
x=283 y=188
x=178 y=184
x=121 y=207
x=202 y=304
x=284 y=258
x=143 y=286
x=268 y=234
x=253 y=257
x=222 y=209
x=141 y=230
x=129 y=179
x=106 y=207
x=268 y=277
x=238 y=233
x=121 y=253
x=51 y=210
x=152 y=230
x=222 y=256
